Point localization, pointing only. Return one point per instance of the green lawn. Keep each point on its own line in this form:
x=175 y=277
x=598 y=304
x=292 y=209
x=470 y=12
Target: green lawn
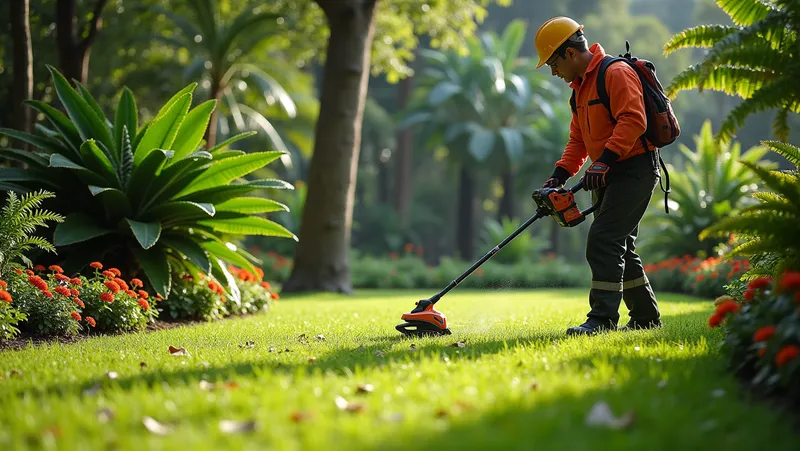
x=518 y=383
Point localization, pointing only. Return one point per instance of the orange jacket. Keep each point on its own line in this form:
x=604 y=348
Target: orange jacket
x=591 y=130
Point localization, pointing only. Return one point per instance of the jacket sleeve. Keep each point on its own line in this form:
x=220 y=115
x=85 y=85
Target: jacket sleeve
x=627 y=106
x=575 y=153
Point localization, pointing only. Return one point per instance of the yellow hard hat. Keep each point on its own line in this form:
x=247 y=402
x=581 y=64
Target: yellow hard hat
x=552 y=34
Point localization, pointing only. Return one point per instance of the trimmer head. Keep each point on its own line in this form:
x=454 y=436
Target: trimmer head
x=423 y=320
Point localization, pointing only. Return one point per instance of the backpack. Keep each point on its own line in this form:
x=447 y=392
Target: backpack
x=662 y=125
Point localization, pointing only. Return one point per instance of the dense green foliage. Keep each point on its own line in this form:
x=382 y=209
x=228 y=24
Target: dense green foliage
x=150 y=193
x=19 y=219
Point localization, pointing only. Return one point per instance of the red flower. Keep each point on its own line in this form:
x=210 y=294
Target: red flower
x=727 y=307
x=764 y=334
x=96 y=265
x=115 y=271
x=260 y=273
x=787 y=354
x=130 y=293
x=266 y=285
x=749 y=294
x=5 y=296
x=759 y=283
x=56 y=269
x=3 y=284
x=136 y=283
x=144 y=294
x=121 y=283
x=274 y=296
x=79 y=302
x=74 y=292
x=143 y=304
x=62 y=278
x=38 y=282
x=48 y=294
x=109 y=274
x=39 y=268
x=62 y=290
x=111 y=285
x=76 y=281
x=18 y=271
x=91 y=321
x=790 y=280
x=107 y=297
x=715 y=320
x=76 y=315
x=29 y=272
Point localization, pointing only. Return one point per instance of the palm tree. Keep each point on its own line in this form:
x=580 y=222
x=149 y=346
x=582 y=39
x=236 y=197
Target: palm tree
x=752 y=59
x=223 y=51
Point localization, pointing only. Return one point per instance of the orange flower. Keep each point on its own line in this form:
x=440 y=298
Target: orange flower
x=48 y=294
x=143 y=304
x=79 y=303
x=143 y=294
x=39 y=268
x=109 y=274
x=787 y=354
x=3 y=284
x=5 y=296
x=74 y=292
x=96 y=265
x=260 y=273
x=764 y=334
x=62 y=290
x=111 y=285
x=700 y=278
x=727 y=307
x=714 y=275
x=274 y=296
x=121 y=283
x=136 y=283
x=56 y=269
x=107 y=297
x=38 y=282
x=91 y=321
x=76 y=281
x=131 y=293
x=76 y=315
x=18 y=271
x=266 y=285
x=115 y=271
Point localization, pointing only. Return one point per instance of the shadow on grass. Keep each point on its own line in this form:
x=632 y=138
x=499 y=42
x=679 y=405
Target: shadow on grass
x=371 y=351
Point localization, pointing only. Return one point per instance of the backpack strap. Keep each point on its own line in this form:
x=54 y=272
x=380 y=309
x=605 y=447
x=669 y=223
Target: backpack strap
x=573 y=103
x=602 y=94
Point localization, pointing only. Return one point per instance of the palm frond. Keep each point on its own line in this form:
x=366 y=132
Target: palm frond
x=767 y=97
x=740 y=81
x=783 y=184
x=745 y=12
x=786 y=150
x=701 y=36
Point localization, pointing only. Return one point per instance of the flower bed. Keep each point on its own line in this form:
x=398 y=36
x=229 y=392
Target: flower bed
x=44 y=302
x=691 y=275
x=762 y=333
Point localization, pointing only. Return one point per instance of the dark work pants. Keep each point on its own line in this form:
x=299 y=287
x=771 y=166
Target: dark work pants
x=617 y=271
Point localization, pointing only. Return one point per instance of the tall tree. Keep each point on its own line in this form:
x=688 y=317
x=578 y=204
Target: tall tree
x=321 y=258
x=74 y=41
x=19 y=13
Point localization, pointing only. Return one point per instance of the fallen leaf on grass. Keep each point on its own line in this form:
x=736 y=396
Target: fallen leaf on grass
x=459 y=344
x=233 y=427
x=302 y=339
x=297 y=417
x=105 y=415
x=320 y=337
x=365 y=388
x=155 y=427
x=177 y=351
x=344 y=404
x=601 y=415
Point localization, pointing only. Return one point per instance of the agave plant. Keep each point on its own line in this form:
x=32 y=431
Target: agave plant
x=149 y=198
x=753 y=59
x=767 y=232
x=714 y=184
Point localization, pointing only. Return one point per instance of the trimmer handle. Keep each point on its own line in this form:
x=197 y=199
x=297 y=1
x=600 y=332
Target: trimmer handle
x=560 y=202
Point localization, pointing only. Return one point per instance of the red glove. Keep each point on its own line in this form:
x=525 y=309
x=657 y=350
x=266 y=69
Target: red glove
x=596 y=175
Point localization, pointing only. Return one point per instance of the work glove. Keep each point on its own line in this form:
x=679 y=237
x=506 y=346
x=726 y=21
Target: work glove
x=596 y=176
x=558 y=178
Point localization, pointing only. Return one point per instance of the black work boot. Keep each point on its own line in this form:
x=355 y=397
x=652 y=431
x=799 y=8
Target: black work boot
x=641 y=325
x=592 y=326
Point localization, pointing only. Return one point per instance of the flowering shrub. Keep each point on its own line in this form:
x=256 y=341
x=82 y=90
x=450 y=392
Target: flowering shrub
x=10 y=315
x=706 y=278
x=257 y=294
x=762 y=332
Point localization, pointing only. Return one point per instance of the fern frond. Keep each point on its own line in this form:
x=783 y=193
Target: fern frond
x=780 y=182
x=771 y=29
x=768 y=196
x=702 y=36
x=784 y=149
x=757 y=224
x=745 y=12
x=752 y=247
x=37 y=241
x=766 y=97
x=759 y=54
x=772 y=207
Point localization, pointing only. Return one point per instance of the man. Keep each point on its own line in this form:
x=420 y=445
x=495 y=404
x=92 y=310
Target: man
x=621 y=176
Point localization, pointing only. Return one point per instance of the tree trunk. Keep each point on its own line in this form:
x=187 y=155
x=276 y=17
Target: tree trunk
x=466 y=211
x=73 y=51
x=23 y=64
x=405 y=152
x=508 y=201
x=321 y=262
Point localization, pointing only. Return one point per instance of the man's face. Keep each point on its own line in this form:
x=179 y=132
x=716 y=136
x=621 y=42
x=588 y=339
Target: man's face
x=564 y=68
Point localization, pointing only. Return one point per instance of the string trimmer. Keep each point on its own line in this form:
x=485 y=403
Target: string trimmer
x=557 y=202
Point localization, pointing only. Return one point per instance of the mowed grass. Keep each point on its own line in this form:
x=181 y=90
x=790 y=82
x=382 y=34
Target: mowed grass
x=518 y=382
